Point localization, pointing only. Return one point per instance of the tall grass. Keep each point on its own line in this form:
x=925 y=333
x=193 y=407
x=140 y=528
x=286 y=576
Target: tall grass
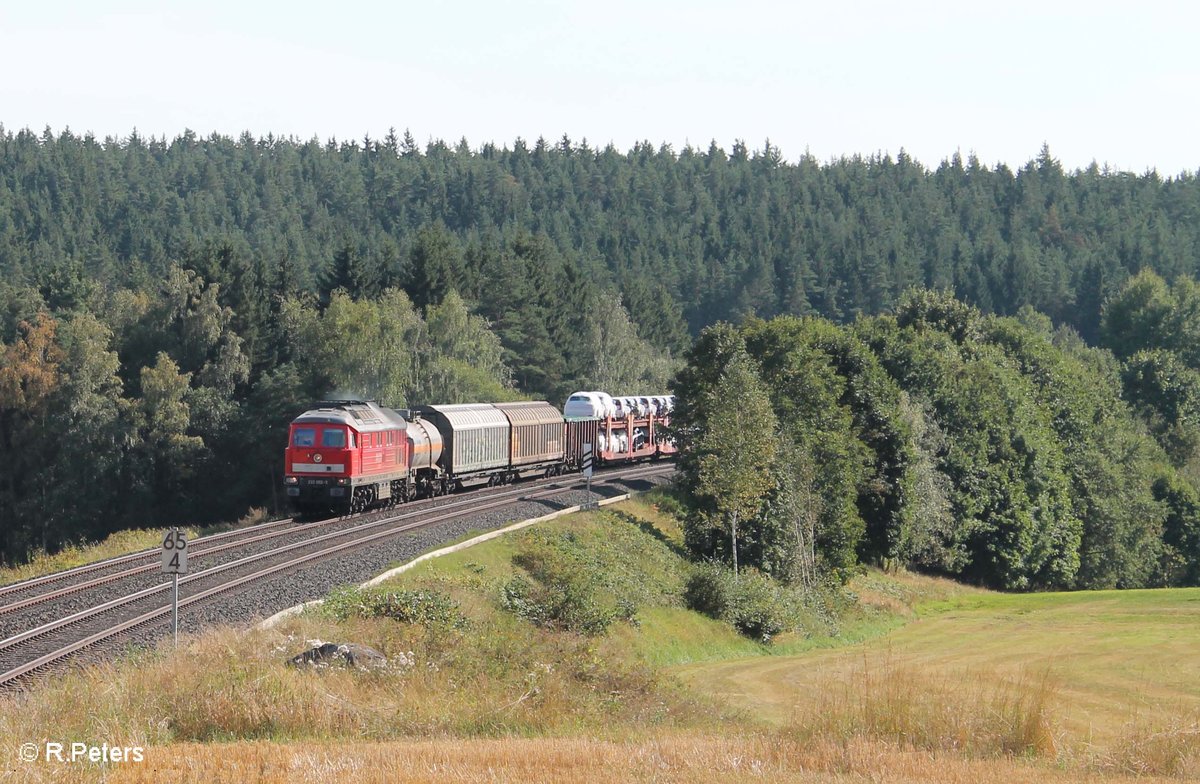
x=477 y=693
x=1164 y=747
x=494 y=678
x=950 y=712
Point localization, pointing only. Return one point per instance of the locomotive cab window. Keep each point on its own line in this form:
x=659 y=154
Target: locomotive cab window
x=332 y=437
x=304 y=436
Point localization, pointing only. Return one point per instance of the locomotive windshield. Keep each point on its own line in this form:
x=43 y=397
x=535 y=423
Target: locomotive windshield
x=304 y=436
x=333 y=437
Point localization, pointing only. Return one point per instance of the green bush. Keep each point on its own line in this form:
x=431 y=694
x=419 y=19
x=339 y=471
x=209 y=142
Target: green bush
x=753 y=603
x=709 y=590
x=760 y=607
x=583 y=579
x=424 y=607
x=559 y=604
x=669 y=502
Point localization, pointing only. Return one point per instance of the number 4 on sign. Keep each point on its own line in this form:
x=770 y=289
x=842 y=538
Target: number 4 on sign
x=174 y=552
x=174 y=562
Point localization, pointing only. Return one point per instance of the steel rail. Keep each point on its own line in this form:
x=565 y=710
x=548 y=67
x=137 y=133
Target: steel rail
x=249 y=535
x=257 y=536
x=117 y=560
x=442 y=514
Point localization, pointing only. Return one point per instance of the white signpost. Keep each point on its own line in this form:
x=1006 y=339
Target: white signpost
x=586 y=465
x=587 y=461
x=175 y=563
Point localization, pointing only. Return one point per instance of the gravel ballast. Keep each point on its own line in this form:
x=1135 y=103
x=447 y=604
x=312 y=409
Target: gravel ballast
x=265 y=598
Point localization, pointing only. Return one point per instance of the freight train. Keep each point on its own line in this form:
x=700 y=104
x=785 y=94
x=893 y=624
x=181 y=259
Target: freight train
x=349 y=455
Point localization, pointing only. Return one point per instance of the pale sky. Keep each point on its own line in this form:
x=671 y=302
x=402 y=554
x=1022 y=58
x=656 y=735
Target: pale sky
x=1117 y=83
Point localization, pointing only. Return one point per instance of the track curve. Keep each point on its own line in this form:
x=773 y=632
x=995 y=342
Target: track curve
x=36 y=649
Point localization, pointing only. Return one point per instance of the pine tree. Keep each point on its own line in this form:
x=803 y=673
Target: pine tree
x=435 y=265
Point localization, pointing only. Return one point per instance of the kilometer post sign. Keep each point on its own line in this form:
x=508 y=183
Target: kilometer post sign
x=174 y=562
x=174 y=552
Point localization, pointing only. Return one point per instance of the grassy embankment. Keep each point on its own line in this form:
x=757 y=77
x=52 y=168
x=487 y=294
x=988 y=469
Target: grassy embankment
x=118 y=543
x=921 y=680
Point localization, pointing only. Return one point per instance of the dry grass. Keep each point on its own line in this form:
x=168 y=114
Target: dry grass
x=1163 y=747
x=487 y=680
x=923 y=710
x=670 y=757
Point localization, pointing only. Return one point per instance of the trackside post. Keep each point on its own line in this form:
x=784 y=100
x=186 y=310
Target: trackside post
x=586 y=465
x=174 y=563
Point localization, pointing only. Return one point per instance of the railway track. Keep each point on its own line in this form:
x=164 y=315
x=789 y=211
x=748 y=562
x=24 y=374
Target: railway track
x=36 y=649
x=89 y=571
x=30 y=603
x=24 y=593
x=89 y=584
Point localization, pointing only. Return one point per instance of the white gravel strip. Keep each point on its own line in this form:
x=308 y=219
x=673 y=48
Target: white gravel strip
x=454 y=548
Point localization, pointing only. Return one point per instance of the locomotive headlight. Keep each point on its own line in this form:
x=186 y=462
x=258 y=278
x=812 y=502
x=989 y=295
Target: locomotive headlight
x=343 y=481
x=291 y=480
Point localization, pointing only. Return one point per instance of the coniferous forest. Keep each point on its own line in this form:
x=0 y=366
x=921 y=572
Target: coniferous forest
x=981 y=371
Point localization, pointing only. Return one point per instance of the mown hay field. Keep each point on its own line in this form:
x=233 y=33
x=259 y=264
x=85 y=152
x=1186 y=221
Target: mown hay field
x=1107 y=680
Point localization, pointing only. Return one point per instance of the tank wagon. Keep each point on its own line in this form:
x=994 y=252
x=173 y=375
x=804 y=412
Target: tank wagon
x=348 y=455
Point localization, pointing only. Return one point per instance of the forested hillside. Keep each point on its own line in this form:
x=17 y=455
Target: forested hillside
x=711 y=234
x=166 y=306
x=995 y=449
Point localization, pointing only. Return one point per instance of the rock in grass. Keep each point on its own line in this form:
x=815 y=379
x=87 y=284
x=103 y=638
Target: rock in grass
x=347 y=653
x=362 y=656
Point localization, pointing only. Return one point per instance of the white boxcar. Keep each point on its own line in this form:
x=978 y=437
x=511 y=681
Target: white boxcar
x=476 y=436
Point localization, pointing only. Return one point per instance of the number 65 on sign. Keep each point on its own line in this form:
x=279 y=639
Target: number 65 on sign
x=174 y=552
